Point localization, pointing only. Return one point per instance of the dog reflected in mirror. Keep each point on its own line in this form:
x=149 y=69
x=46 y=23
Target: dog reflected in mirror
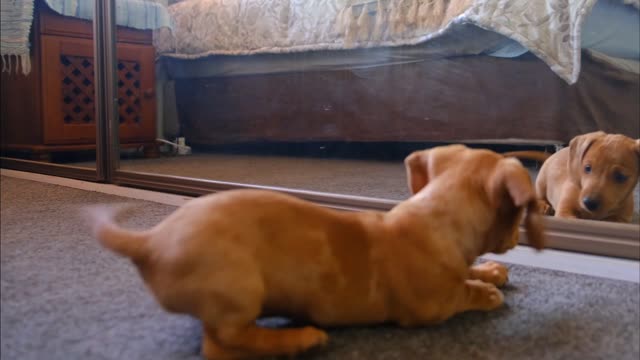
x=593 y=178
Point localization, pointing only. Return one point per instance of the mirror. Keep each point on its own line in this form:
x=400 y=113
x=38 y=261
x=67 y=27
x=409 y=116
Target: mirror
x=47 y=104
x=331 y=95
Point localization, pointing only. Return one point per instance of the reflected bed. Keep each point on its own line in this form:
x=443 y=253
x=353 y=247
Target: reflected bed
x=465 y=79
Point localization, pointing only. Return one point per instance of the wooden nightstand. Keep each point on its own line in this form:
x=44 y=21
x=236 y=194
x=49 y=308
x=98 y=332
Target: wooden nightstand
x=52 y=109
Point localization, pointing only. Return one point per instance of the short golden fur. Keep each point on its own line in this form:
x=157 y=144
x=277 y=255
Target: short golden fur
x=231 y=257
x=592 y=179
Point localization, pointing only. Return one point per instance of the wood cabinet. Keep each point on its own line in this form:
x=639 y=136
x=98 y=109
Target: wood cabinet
x=52 y=109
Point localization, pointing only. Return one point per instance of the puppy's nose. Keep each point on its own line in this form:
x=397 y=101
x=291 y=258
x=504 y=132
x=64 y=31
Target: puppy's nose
x=590 y=203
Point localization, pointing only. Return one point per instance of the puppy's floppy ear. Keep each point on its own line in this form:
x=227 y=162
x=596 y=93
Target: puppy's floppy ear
x=534 y=226
x=417 y=170
x=512 y=179
x=578 y=147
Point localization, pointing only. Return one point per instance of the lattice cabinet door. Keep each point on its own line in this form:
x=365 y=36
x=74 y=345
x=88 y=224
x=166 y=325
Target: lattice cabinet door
x=69 y=91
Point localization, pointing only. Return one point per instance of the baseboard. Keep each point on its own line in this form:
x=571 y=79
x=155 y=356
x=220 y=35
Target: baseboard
x=131 y=193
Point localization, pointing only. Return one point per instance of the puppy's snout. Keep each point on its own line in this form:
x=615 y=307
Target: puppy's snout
x=590 y=203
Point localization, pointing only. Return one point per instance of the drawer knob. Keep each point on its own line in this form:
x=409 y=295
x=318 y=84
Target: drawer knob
x=149 y=93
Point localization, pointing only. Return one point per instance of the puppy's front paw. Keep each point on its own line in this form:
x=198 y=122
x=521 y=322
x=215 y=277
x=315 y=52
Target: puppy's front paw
x=495 y=298
x=484 y=296
x=491 y=272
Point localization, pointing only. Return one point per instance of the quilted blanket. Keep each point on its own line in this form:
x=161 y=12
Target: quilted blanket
x=16 y=19
x=137 y=14
x=550 y=29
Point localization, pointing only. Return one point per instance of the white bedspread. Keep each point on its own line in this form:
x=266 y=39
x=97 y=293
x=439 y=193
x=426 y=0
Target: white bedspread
x=551 y=29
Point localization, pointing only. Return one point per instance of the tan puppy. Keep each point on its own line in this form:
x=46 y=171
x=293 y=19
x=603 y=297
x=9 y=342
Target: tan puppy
x=593 y=178
x=232 y=257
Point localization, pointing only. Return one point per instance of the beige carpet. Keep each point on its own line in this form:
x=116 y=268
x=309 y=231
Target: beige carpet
x=383 y=179
x=379 y=179
x=350 y=176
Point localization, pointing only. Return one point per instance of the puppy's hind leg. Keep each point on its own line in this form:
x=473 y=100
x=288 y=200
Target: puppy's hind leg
x=230 y=331
x=213 y=350
x=251 y=340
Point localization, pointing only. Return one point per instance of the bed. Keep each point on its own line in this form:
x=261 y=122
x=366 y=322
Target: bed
x=408 y=70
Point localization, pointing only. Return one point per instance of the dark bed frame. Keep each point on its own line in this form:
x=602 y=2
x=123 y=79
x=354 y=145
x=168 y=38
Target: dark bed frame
x=470 y=98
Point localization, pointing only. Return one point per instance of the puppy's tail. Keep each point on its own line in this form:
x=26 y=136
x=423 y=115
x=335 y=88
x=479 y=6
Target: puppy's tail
x=533 y=224
x=528 y=155
x=127 y=243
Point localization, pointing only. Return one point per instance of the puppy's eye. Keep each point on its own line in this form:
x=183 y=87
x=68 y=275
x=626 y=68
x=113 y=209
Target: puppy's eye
x=587 y=169
x=619 y=177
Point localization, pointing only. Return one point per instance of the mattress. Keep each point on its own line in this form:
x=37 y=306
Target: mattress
x=551 y=29
x=610 y=30
x=463 y=40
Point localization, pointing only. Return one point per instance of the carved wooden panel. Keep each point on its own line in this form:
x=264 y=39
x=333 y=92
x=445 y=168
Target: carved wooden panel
x=78 y=90
x=129 y=92
x=68 y=91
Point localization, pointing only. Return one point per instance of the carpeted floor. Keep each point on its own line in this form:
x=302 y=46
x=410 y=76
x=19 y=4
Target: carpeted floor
x=373 y=171
x=383 y=179
x=360 y=177
x=63 y=297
